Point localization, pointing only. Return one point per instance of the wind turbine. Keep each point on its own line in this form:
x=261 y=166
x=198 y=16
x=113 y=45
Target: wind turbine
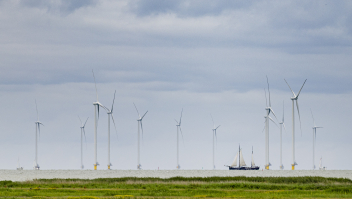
x=267 y=118
x=282 y=124
x=214 y=136
x=96 y=104
x=294 y=98
x=112 y=117
x=37 y=130
x=178 y=126
x=140 y=126
x=83 y=132
x=314 y=137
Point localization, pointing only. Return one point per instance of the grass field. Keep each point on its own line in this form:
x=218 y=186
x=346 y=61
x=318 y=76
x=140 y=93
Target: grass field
x=180 y=187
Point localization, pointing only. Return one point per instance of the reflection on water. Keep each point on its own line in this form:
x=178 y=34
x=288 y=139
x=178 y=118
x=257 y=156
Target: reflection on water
x=22 y=175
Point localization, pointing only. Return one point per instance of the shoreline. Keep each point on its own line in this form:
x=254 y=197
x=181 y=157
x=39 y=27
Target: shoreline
x=24 y=175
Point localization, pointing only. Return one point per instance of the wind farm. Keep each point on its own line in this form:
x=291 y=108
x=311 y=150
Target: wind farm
x=276 y=147
x=199 y=66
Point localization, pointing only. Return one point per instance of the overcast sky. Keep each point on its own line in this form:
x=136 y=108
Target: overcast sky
x=205 y=56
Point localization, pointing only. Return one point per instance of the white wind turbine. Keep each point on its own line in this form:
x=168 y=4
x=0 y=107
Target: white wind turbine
x=314 y=137
x=178 y=126
x=112 y=117
x=83 y=133
x=140 y=126
x=294 y=98
x=282 y=124
x=37 y=131
x=214 y=136
x=267 y=118
x=97 y=105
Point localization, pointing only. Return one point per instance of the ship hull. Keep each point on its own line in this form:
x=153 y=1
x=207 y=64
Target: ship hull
x=244 y=168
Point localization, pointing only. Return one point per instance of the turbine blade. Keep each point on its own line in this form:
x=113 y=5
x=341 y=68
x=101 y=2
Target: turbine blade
x=96 y=90
x=273 y=113
x=315 y=136
x=299 y=117
x=136 y=110
x=144 y=115
x=267 y=80
x=182 y=136
x=98 y=111
x=217 y=127
x=273 y=122
x=176 y=121
x=294 y=95
x=216 y=137
x=85 y=122
x=114 y=123
x=301 y=88
x=283 y=111
x=113 y=101
x=85 y=138
x=142 y=129
x=80 y=120
x=39 y=130
x=312 y=116
x=181 y=116
x=36 y=107
x=263 y=128
x=212 y=120
x=266 y=100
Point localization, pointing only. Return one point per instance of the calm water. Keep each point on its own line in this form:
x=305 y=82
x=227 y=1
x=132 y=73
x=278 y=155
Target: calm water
x=23 y=175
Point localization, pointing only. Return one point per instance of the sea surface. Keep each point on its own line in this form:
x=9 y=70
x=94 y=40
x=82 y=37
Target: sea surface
x=24 y=175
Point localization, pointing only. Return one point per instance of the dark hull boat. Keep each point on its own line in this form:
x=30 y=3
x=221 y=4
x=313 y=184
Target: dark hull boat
x=241 y=163
x=244 y=168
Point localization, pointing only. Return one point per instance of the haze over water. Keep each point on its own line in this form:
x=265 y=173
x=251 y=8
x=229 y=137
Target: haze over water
x=15 y=175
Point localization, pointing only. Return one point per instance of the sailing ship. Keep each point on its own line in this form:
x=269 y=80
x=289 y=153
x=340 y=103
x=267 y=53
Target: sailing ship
x=241 y=163
x=18 y=165
x=321 y=165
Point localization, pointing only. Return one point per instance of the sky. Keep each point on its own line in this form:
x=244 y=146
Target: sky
x=205 y=57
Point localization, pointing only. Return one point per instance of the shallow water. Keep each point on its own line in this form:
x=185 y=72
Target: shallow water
x=23 y=175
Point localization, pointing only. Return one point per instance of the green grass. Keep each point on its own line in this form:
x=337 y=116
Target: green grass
x=181 y=187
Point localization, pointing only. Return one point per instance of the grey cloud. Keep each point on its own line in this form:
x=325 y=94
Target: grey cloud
x=185 y=8
x=60 y=6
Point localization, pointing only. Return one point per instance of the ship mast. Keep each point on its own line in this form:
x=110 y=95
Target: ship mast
x=239 y=156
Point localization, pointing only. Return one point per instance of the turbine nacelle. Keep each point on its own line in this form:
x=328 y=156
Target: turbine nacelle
x=316 y=127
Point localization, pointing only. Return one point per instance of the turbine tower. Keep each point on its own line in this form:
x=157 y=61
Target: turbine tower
x=282 y=124
x=314 y=138
x=140 y=126
x=37 y=131
x=178 y=126
x=112 y=117
x=267 y=118
x=294 y=98
x=214 y=136
x=83 y=133
x=97 y=105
